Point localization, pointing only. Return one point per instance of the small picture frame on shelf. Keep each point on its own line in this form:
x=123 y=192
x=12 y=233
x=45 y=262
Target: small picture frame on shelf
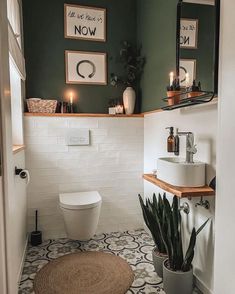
x=86 y=67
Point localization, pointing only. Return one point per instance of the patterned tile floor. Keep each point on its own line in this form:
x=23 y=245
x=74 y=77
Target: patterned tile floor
x=133 y=246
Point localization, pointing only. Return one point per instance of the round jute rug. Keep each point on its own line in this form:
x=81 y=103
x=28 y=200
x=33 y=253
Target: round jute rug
x=85 y=273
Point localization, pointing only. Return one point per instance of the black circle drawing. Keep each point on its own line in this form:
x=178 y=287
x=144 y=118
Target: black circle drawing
x=91 y=75
x=184 y=76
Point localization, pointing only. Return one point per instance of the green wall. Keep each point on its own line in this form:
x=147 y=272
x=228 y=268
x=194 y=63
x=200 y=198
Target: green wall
x=156 y=31
x=204 y=54
x=45 y=44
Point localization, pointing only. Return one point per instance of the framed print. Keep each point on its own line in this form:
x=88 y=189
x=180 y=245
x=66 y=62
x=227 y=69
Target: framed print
x=187 y=66
x=86 y=67
x=84 y=22
x=188 y=33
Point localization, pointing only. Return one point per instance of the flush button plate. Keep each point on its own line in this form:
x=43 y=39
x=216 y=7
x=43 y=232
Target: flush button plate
x=78 y=137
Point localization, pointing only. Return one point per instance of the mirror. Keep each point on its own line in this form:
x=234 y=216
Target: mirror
x=197 y=43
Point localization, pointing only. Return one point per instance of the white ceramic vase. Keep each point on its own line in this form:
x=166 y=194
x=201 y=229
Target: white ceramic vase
x=129 y=98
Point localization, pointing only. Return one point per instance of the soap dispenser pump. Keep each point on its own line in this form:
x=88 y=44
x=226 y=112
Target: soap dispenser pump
x=171 y=140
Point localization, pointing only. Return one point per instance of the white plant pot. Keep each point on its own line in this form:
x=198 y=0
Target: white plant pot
x=158 y=260
x=177 y=282
x=129 y=98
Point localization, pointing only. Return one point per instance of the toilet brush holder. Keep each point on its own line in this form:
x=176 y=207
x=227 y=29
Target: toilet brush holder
x=36 y=236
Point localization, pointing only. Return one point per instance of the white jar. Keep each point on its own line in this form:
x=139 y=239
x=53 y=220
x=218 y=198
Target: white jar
x=129 y=98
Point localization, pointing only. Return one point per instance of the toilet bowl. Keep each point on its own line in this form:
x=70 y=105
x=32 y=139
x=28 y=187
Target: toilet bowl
x=81 y=213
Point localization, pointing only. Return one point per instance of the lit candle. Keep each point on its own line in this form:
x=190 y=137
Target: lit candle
x=187 y=80
x=71 y=98
x=171 y=78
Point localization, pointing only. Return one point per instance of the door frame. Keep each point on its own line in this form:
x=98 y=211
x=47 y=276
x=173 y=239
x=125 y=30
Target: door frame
x=5 y=144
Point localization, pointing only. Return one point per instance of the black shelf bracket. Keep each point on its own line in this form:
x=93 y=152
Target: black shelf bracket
x=205 y=97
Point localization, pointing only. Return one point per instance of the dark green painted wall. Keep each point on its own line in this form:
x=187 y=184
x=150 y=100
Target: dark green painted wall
x=156 y=31
x=204 y=54
x=45 y=45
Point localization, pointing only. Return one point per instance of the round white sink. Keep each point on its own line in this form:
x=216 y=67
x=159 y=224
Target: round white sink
x=176 y=172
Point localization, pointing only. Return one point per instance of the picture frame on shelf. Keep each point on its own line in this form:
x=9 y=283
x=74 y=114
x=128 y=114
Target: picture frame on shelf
x=188 y=33
x=84 y=23
x=85 y=67
x=187 y=66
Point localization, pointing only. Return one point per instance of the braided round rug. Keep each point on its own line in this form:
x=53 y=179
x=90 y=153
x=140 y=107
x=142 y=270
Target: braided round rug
x=85 y=273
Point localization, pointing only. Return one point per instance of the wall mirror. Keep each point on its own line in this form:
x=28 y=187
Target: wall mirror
x=198 y=43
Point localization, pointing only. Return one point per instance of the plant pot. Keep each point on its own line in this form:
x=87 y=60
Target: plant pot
x=129 y=98
x=177 y=282
x=173 y=97
x=194 y=94
x=158 y=259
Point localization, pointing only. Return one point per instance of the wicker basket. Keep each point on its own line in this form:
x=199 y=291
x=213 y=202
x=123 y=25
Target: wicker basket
x=43 y=106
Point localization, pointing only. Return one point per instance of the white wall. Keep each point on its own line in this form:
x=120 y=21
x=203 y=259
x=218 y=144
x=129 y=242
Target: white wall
x=113 y=165
x=225 y=203
x=202 y=121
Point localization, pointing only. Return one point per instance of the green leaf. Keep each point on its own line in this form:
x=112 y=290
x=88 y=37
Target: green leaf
x=202 y=226
x=190 y=252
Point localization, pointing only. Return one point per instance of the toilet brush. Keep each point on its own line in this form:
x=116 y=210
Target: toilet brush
x=36 y=236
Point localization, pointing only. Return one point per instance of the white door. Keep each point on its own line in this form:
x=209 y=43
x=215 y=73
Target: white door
x=3 y=282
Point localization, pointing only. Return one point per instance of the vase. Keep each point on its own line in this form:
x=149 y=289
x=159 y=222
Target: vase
x=158 y=259
x=129 y=98
x=175 y=282
x=173 y=97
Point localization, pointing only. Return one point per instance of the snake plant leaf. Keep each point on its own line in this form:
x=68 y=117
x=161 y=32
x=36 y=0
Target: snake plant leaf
x=152 y=221
x=202 y=226
x=186 y=267
x=190 y=252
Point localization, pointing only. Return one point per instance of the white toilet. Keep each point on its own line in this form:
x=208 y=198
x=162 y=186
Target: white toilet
x=81 y=213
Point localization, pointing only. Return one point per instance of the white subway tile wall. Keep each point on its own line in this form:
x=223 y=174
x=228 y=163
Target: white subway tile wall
x=112 y=165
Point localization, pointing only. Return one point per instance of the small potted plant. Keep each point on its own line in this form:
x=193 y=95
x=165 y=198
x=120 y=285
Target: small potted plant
x=154 y=220
x=133 y=64
x=177 y=269
x=173 y=92
x=195 y=90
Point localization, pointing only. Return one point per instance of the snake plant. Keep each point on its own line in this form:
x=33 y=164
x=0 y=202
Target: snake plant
x=153 y=213
x=165 y=224
x=172 y=238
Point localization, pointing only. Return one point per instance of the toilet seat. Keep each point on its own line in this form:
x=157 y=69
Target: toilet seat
x=80 y=200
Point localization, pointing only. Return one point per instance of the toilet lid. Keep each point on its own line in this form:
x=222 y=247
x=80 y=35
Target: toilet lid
x=80 y=200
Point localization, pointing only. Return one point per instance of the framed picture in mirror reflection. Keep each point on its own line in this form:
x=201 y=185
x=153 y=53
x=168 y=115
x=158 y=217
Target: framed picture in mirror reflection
x=188 y=33
x=187 y=72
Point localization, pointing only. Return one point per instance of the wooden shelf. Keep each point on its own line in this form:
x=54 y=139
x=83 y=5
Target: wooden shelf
x=181 y=192
x=17 y=148
x=82 y=115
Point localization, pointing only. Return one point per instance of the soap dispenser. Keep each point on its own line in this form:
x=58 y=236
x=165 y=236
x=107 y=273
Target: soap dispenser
x=171 y=140
x=177 y=143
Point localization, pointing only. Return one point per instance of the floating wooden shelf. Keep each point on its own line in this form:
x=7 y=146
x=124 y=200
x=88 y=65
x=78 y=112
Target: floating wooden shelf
x=17 y=148
x=181 y=192
x=82 y=115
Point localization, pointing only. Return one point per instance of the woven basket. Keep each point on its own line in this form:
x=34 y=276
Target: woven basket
x=43 y=106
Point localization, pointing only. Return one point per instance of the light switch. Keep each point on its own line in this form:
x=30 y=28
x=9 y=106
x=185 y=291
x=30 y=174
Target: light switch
x=79 y=137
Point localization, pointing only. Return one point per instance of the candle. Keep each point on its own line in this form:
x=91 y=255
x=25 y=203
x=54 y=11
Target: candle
x=171 y=78
x=71 y=98
x=187 y=80
x=119 y=109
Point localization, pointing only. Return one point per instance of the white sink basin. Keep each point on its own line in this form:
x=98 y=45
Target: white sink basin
x=176 y=172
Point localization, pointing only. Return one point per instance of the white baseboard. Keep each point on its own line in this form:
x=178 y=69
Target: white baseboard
x=201 y=286
x=23 y=259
